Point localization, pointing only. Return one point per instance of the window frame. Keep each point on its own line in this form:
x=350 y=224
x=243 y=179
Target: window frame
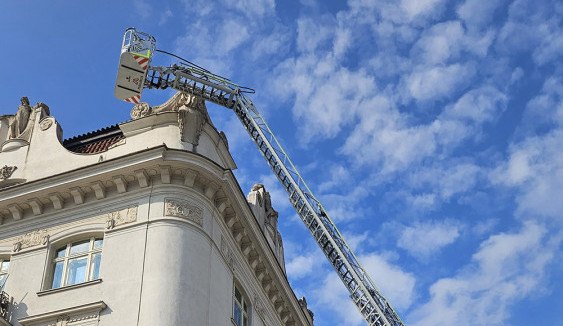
x=244 y=306
x=89 y=274
x=3 y=272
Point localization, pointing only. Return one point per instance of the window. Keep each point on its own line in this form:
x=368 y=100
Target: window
x=240 y=308
x=77 y=262
x=4 y=266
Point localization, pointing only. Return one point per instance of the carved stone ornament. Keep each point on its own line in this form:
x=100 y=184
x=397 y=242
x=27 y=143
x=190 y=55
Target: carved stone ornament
x=258 y=305
x=6 y=172
x=45 y=124
x=184 y=209
x=31 y=239
x=121 y=217
x=228 y=254
x=141 y=110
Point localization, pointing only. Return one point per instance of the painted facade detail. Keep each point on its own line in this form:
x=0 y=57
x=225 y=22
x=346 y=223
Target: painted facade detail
x=31 y=239
x=184 y=209
x=6 y=171
x=121 y=217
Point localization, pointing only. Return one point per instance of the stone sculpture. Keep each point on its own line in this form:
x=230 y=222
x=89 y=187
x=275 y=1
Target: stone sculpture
x=21 y=120
x=191 y=118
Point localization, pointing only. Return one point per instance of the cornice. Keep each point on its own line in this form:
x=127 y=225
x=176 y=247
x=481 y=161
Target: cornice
x=112 y=179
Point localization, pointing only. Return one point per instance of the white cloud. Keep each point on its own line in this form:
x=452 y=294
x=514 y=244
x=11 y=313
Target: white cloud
x=312 y=32
x=440 y=42
x=507 y=268
x=344 y=207
x=165 y=16
x=231 y=35
x=533 y=27
x=143 y=9
x=534 y=167
x=445 y=179
x=302 y=266
x=339 y=175
x=478 y=13
x=333 y=296
x=423 y=240
x=395 y=284
x=435 y=83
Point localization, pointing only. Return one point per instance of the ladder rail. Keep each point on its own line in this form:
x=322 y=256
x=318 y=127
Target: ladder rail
x=375 y=309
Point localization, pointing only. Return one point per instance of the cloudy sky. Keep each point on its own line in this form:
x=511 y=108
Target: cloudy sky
x=431 y=130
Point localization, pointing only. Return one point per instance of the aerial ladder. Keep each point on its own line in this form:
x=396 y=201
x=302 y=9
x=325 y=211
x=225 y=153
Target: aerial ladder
x=135 y=73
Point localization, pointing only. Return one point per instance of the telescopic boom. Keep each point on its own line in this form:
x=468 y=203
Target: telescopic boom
x=134 y=68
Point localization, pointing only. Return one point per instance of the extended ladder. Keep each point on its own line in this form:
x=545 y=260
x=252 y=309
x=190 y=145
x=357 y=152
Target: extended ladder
x=373 y=306
x=135 y=70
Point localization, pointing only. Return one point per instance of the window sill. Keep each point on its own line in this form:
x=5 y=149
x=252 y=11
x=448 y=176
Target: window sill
x=69 y=287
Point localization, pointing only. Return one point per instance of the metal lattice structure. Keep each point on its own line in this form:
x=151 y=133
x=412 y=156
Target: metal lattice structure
x=375 y=309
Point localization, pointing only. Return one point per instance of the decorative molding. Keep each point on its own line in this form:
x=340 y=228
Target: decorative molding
x=64 y=316
x=228 y=254
x=7 y=171
x=141 y=110
x=31 y=239
x=16 y=210
x=45 y=124
x=258 y=305
x=36 y=206
x=121 y=217
x=189 y=178
x=99 y=189
x=77 y=195
x=57 y=200
x=120 y=183
x=182 y=208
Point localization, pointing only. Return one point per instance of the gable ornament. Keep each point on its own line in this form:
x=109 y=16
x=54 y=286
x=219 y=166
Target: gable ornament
x=6 y=171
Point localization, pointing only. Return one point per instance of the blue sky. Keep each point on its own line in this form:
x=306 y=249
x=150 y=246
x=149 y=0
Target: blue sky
x=431 y=130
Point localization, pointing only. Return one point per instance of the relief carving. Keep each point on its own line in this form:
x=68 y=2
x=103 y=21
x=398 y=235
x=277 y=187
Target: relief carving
x=140 y=110
x=258 y=306
x=45 y=124
x=181 y=208
x=31 y=239
x=228 y=254
x=6 y=172
x=192 y=114
x=121 y=217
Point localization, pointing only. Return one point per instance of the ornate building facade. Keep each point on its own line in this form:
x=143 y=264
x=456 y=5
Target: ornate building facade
x=140 y=223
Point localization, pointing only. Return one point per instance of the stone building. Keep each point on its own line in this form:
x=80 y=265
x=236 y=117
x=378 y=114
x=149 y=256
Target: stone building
x=140 y=223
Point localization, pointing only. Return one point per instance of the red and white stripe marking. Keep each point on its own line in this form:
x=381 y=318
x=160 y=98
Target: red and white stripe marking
x=135 y=99
x=143 y=62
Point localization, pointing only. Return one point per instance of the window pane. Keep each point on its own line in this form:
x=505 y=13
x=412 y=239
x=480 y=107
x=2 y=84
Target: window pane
x=245 y=322
x=5 y=266
x=58 y=275
x=237 y=295
x=245 y=306
x=61 y=252
x=78 y=247
x=95 y=266
x=76 y=270
x=98 y=243
x=3 y=280
x=237 y=315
